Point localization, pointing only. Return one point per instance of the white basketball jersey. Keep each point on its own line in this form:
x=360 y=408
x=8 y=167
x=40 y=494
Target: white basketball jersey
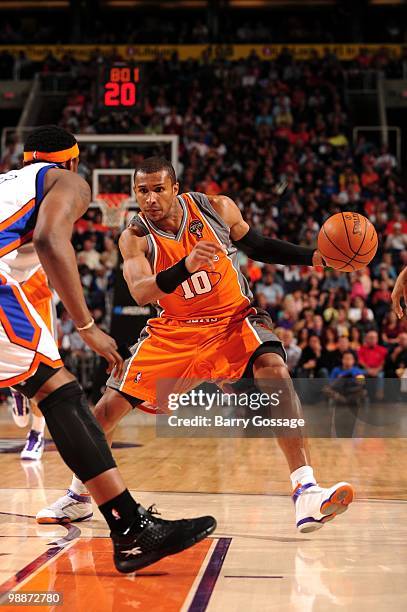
x=21 y=193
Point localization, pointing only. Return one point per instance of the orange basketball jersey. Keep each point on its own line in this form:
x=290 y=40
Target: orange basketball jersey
x=208 y=294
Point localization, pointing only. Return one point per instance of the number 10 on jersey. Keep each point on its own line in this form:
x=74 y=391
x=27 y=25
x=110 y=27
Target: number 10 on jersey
x=197 y=284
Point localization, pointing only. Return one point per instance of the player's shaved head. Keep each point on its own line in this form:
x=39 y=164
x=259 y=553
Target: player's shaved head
x=151 y=165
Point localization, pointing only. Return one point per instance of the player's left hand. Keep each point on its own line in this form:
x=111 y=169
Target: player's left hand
x=317 y=259
x=106 y=346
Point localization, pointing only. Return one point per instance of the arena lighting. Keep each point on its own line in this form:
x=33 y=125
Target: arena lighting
x=387 y=2
x=278 y=3
x=33 y=4
x=172 y=4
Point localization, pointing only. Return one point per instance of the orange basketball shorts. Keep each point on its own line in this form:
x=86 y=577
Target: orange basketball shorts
x=177 y=356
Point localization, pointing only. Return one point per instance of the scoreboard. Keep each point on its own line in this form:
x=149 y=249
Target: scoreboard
x=118 y=86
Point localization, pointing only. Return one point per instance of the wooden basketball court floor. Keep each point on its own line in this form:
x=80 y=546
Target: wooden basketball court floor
x=255 y=560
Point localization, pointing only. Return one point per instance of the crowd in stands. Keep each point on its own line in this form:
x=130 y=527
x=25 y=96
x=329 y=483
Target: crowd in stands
x=18 y=66
x=275 y=137
x=344 y=24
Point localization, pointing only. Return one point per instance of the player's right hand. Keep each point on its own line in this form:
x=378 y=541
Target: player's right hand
x=399 y=291
x=105 y=346
x=203 y=254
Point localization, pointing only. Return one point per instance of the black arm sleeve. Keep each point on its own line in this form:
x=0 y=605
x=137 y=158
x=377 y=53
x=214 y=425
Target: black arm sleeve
x=270 y=250
x=169 y=279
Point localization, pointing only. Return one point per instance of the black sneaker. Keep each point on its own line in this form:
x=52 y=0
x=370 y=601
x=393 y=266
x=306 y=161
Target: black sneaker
x=151 y=539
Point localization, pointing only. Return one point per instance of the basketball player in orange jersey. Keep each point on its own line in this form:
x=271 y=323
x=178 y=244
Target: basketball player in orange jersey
x=180 y=253
x=40 y=204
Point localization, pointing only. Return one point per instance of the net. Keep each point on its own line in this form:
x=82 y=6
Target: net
x=115 y=208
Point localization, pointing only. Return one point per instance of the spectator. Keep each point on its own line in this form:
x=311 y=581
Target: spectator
x=385 y=161
x=356 y=309
x=355 y=339
x=303 y=338
x=330 y=339
x=335 y=280
x=335 y=357
x=348 y=367
x=391 y=329
x=396 y=241
x=397 y=360
x=371 y=357
x=366 y=322
x=292 y=349
x=292 y=278
x=89 y=256
x=312 y=227
x=262 y=303
x=109 y=257
x=369 y=176
x=312 y=360
x=396 y=368
x=331 y=312
x=272 y=290
x=347 y=382
x=330 y=343
x=359 y=288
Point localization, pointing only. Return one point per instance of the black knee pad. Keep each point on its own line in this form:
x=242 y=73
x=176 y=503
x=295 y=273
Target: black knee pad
x=30 y=386
x=133 y=401
x=76 y=433
x=267 y=347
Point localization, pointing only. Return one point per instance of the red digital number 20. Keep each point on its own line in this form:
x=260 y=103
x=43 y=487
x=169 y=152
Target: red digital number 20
x=120 y=95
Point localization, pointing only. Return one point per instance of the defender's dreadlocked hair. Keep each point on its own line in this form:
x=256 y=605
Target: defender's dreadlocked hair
x=48 y=139
x=156 y=164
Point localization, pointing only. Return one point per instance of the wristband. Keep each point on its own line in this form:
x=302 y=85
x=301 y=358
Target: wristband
x=169 y=279
x=87 y=326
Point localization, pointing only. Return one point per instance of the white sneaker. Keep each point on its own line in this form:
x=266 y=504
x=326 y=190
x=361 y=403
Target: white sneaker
x=34 y=447
x=70 y=508
x=315 y=506
x=20 y=407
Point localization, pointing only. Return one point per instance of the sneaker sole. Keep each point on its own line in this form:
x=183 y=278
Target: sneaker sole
x=131 y=566
x=48 y=520
x=336 y=504
x=27 y=458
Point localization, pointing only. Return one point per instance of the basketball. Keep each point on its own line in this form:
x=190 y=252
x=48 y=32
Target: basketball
x=347 y=241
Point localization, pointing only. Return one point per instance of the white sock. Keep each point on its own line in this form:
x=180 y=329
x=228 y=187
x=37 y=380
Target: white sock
x=78 y=487
x=303 y=475
x=38 y=423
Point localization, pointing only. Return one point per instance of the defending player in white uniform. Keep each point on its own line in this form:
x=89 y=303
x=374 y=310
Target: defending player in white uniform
x=25 y=338
x=40 y=204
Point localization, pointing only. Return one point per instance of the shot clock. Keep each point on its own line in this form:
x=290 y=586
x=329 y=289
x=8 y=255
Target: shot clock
x=119 y=86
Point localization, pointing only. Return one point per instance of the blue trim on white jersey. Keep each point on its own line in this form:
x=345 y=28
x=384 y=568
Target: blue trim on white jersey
x=39 y=182
x=26 y=224
x=19 y=322
x=19 y=228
